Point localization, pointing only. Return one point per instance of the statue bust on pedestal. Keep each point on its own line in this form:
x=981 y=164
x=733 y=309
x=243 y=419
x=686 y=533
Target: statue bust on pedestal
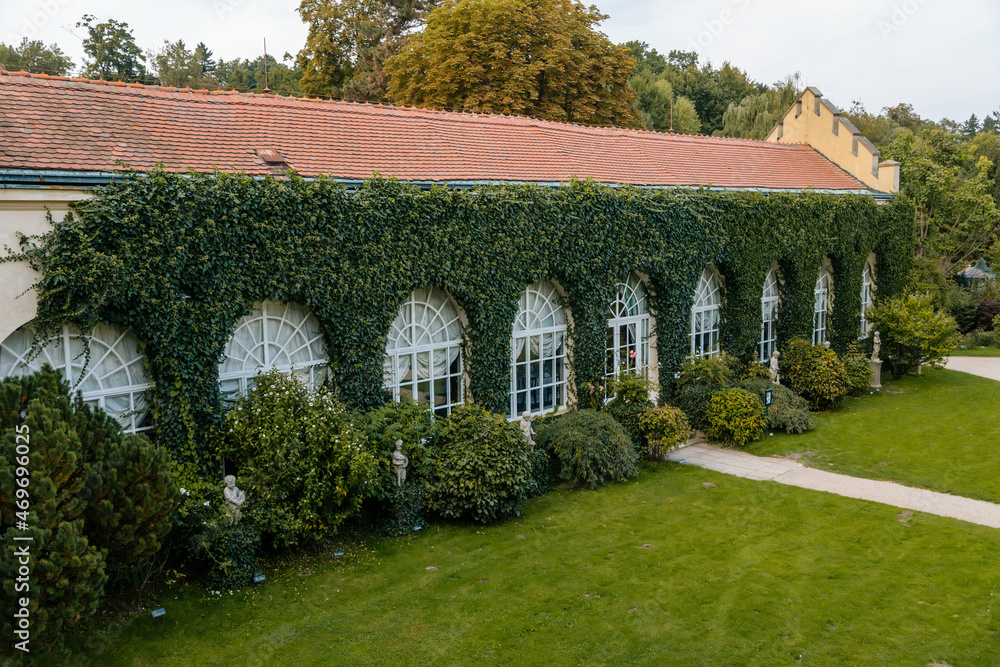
x=399 y=463
x=234 y=498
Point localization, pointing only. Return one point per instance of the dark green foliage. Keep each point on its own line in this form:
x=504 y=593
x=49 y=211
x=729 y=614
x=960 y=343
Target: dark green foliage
x=664 y=428
x=756 y=371
x=693 y=400
x=735 y=415
x=96 y=499
x=631 y=398
x=814 y=372
x=591 y=448
x=301 y=460
x=131 y=254
x=858 y=371
x=233 y=553
x=541 y=472
x=480 y=467
x=717 y=371
x=788 y=411
x=961 y=304
x=399 y=513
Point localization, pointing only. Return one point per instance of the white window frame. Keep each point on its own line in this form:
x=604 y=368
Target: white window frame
x=539 y=303
x=115 y=370
x=299 y=336
x=768 y=341
x=706 y=316
x=867 y=287
x=423 y=317
x=627 y=346
x=821 y=306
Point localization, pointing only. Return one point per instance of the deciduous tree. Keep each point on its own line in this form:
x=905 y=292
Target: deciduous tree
x=112 y=51
x=34 y=56
x=538 y=58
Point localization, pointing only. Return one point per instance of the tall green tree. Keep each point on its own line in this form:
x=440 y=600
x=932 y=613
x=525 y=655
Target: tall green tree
x=756 y=115
x=248 y=75
x=34 y=56
x=111 y=50
x=659 y=108
x=178 y=66
x=539 y=58
x=349 y=42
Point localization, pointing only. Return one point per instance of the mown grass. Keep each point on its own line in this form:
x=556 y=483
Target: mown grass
x=936 y=431
x=989 y=351
x=660 y=571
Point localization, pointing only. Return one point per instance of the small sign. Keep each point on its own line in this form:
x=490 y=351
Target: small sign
x=338 y=554
x=768 y=394
x=159 y=612
x=257 y=578
x=681 y=461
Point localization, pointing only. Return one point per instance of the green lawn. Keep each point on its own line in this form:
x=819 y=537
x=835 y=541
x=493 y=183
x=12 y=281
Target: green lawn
x=976 y=352
x=937 y=431
x=662 y=571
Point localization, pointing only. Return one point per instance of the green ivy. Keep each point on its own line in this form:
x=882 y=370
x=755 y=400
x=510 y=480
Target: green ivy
x=179 y=258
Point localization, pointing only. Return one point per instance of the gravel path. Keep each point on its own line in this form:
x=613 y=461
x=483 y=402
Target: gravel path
x=987 y=367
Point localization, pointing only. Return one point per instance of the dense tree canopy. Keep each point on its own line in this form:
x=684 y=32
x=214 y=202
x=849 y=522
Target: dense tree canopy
x=111 y=50
x=539 y=58
x=756 y=115
x=349 y=41
x=34 y=56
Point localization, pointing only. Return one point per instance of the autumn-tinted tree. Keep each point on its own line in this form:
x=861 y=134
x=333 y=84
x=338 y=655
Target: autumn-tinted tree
x=539 y=58
x=34 y=56
x=111 y=50
x=349 y=41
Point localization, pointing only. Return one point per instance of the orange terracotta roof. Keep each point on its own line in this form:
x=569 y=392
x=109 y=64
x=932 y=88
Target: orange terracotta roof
x=74 y=124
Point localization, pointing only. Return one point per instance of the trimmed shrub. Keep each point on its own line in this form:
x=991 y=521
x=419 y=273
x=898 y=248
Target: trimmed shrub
x=233 y=552
x=693 y=400
x=718 y=371
x=858 y=370
x=788 y=411
x=541 y=472
x=962 y=306
x=590 y=447
x=631 y=398
x=913 y=333
x=735 y=415
x=97 y=500
x=400 y=513
x=301 y=460
x=664 y=428
x=480 y=468
x=814 y=372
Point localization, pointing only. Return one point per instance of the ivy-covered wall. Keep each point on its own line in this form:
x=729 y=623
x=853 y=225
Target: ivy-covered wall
x=180 y=258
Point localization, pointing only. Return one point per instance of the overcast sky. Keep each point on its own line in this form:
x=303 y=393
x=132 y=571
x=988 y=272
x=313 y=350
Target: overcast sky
x=942 y=57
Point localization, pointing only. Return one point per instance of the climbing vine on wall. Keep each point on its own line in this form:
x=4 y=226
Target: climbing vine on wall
x=180 y=258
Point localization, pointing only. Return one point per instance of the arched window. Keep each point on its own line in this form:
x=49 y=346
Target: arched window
x=284 y=336
x=768 y=316
x=866 y=299
x=538 y=350
x=628 y=328
x=113 y=379
x=821 y=306
x=705 y=316
x=423 y=354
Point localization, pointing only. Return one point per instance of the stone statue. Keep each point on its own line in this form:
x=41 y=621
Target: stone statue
x=826 y=344
x=399 y=463
x=877 y=345
x=775 y=377
x=234 y=498
x=527 y=430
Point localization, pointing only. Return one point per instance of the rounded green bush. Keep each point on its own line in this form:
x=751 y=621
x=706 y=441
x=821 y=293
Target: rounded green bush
x=788 y=411
x=480 y=467
x=735 y=415
x=814 y=372
x=664 y=428
x=590 y=446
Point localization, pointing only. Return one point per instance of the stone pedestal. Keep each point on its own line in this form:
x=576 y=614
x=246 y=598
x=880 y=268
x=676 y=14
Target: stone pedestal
x=876 y=365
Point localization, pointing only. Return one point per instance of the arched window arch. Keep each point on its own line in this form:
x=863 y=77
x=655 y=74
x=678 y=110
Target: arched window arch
x=423 y=353
x=768 y=316
x=821 y=305
x=706 y=314
x=628 y=328
x=114 y=378
x=538 y=351
x=867 y=286
x=279 y=335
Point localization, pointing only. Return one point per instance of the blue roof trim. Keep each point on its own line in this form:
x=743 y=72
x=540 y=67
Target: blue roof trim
x=49 y=178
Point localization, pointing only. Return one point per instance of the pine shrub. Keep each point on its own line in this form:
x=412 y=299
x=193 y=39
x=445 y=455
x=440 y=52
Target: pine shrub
x=591 y=448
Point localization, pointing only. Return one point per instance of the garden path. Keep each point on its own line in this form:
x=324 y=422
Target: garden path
x=987 y=367
x=788 y=471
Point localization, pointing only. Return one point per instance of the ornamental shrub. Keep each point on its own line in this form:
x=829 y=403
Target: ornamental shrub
x=814 y=372
x=479 y=466
x=986 y=310
x=693 y=400
x=301 y=460
x=631 y=392
x=97 y=500
x=912 y=333
x=788 y=411
x=858 y=370
x=590 y=447
x=756 y=371
x=718 y=371
x=232 y=551
x=735 y=415
x=400 y=512
x=961 y=305
x=664 y=428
